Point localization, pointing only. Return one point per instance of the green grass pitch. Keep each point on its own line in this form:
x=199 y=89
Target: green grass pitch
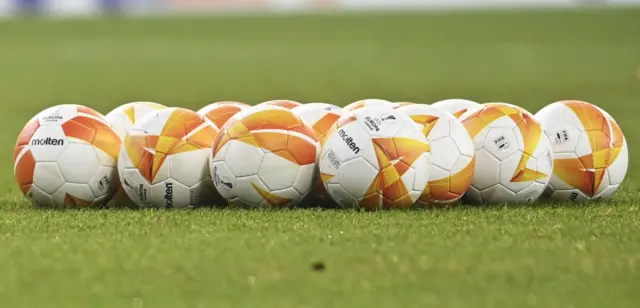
x=541 y=255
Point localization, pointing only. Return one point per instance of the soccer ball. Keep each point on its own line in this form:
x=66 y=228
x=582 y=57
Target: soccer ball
x=284 y=103
x=220 y=112
x=375 y=157
x=590 y=151
x=321 y=117
x=163 y=162
x=370 y=102
x=124 y=117
x=457 y=107
x=514 y=158
x=452 y=154
x=264 y=157
x=66 y=157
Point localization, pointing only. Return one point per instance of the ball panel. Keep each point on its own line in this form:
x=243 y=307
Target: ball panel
x=487 y=170
x=303 y=150
x=609 y=191
x=74 y=195
x=276 y=172
x=260 y=194
x=223 y=180
x=501 y=143
x=461 y=180
x=444 y=153
x=246 y=164
x=25 y=170
x=287 y=197
x=189 y=168
x=423 y=171
x=103 y=184
x=530 y=194
x=250 y=190
x=497 y=194
x=48 y=177
x=544 y=156
x=509 y=170
x=40 y=198
x=618 y=169
x=569 y=172
x=201 y=136
x=449 y=189
x=461 y=138
x=356 y=176
x=76 y=155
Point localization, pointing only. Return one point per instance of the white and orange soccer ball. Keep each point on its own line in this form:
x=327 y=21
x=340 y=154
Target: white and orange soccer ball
x=220 y=112
x=375 y=158
x=452 y=154
x=369 y=102
x=66 y=157
x=265 y=157
x=163 y=162
x=123 y=118
x=321 y=117
x=590 y=151
x=456 y=106
x=514 y=157
x=284 y=103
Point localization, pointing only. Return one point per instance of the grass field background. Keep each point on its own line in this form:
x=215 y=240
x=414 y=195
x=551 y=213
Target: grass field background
x=541 y=255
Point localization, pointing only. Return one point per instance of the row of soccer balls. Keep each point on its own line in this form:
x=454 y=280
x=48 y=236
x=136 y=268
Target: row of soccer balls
x=370 y=154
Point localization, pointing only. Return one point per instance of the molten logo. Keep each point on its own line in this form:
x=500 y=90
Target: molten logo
x=168 y=194
x=349 y=141
x=47 y=141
